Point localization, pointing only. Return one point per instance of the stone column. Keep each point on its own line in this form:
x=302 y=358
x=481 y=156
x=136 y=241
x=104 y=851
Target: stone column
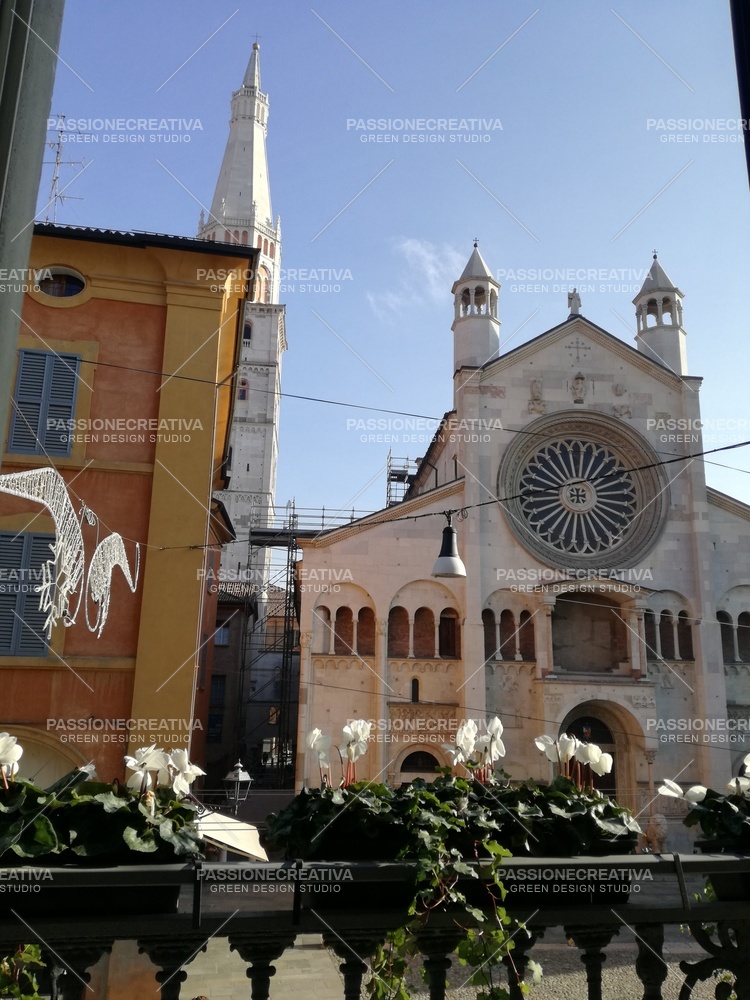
x=650 y=967
x=633 y=640
x=260 y=950
x=437 y=638
x=411 y=636
x=67 y=966
x=170 y=954
x=381 y=669
x=332 y=636
x=353 y=949
x=435 y=946
x=517 y=961
x=592 y=941
x=676 y=638
x=735 y=643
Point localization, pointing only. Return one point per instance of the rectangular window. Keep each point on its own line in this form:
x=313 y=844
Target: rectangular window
x=216 y=705
x=44 y=403
x=22 y=631
x=221 y=635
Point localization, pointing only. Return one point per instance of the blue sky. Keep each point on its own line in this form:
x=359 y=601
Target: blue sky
x=579 y=175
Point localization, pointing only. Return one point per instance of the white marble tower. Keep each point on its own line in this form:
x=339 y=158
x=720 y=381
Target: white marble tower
x=241 y=213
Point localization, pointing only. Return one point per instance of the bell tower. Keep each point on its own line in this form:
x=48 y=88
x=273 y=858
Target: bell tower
x=241 y=214
x=476 y=328
x=658 y=312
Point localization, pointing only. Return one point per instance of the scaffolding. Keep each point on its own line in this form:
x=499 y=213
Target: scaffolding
x=400 y=473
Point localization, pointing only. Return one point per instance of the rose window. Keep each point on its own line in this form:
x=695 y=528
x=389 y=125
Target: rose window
x=583 y=491
x=578 y=496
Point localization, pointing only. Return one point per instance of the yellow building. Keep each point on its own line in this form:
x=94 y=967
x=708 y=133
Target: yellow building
x=124 y=383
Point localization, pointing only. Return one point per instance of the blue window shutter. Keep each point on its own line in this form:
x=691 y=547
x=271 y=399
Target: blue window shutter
x=22 y=631
x=45 y=395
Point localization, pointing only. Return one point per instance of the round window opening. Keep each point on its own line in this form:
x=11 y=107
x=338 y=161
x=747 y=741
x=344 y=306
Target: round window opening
x=61 y=282
x=582 y=492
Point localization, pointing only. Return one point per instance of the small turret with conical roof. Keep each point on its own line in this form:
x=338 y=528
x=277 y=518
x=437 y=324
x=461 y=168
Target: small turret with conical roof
x=476 y=328
x=658 y=312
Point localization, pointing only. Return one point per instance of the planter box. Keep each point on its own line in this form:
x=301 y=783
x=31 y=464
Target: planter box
x=42 y=898
x=729 y=887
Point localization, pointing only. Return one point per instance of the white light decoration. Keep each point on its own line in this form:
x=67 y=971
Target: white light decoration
x=62 y=575
x=110 y=552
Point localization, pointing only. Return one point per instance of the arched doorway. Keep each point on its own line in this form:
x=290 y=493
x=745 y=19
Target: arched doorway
x=590 y=729
x=617 y=731
x=418 y=764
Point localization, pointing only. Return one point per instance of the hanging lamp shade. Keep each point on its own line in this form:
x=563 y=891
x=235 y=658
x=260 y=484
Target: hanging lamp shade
x=449 y=562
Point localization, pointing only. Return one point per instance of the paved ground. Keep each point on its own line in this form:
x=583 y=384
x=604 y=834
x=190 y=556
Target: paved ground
x=310 y=972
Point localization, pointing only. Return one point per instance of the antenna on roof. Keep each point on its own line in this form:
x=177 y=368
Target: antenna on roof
x=55 y=195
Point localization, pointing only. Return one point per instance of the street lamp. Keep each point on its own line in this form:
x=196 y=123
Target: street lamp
x=237 y=783
x=449 y=562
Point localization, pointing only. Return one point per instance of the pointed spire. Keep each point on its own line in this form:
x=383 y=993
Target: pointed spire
x=476 y=266
x=252 y=74
x=657 y=280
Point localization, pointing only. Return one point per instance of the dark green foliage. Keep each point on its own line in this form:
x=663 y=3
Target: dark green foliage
x=79 y=821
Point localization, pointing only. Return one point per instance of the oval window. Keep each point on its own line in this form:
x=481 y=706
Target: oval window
x=61 y=282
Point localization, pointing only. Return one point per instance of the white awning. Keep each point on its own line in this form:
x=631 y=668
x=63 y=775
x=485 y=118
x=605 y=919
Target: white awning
x=231 y=834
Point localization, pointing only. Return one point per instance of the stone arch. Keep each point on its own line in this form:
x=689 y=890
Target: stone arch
x=424 y=633
x=666 y=634
x=398 y=631
x=449 y=634
x=45 y=759
x=436 y=752
x=366 y=632
x=588 y=633
x=321 y=630
x=343 y=640
x=628 y=742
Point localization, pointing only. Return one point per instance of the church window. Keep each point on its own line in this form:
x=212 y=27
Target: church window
x=666 y=635
x=366 y=632
x=685 y=636
x=649 y=624
x=243 y=388
x=727 y=636
x=398 y=632
x=449 y=634
x=490 y=632
x=415 y=689
x=344 y=631
x=580 y=489
x=244 y=237
x=569 y=511
x=743 y=636
x=526 y=636
x=424 y=633
x=507 y=635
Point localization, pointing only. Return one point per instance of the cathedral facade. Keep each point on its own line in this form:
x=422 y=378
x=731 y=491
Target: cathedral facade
x=606 y=589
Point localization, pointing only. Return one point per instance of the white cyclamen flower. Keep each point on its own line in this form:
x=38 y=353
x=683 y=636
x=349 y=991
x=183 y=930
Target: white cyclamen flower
x=603 y=765
x=739 y=786
x=185 y=772
x=671 y=789
x=567 y=746
x=696 y=793
x=490 y=749
x=148 y=759
x=549 y=748
x=356 y=735
x=10 y=754
x=585 y=752
x=320 y=745
x=466 y=737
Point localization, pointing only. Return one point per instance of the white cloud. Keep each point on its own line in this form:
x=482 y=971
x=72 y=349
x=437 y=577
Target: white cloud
x=428 y=272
